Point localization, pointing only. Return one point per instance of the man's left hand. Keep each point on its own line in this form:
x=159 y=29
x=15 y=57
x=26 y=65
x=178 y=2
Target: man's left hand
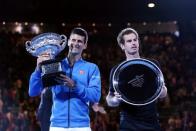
x=65 y=80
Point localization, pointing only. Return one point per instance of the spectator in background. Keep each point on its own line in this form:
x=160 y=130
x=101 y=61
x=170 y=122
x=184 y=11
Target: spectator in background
x=44 y=110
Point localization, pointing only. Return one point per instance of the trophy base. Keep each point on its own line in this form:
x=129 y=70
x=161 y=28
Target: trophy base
x=51 y=70
x=49 y=79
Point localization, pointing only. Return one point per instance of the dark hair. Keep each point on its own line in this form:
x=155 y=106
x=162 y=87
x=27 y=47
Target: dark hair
x=126 y=31
x=81 y=32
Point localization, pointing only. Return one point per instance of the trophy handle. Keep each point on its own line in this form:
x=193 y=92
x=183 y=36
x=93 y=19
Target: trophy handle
x=63 y=41
x=28 y=46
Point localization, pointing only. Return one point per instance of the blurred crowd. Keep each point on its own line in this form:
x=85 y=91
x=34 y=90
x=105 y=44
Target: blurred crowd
x=176 y=56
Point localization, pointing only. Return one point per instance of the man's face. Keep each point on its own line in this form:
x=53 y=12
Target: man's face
x=131 y=44
x=76 y=44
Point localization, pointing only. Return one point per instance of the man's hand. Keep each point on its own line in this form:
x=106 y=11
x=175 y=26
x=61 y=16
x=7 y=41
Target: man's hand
x=163 y=91
x=41 y=58
x=113 y=99
x=98 y=108
x=117 y=96
x=65 y=80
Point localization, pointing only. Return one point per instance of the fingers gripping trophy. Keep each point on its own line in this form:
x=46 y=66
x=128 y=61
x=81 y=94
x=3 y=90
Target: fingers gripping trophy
x=50 y=45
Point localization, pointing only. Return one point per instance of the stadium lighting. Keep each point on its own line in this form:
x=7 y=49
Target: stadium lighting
x=19 y=28
x=35 y=29
x=151 y=5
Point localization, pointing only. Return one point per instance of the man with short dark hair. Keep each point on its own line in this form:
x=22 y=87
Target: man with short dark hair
x=80 y=86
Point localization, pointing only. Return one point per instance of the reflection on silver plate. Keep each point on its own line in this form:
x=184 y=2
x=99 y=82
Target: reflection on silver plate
x=138 y=81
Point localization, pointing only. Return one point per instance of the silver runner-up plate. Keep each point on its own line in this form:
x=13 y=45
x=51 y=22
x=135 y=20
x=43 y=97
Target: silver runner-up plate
x=138 y=81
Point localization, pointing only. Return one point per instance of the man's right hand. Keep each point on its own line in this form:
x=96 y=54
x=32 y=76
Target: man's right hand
x=117 y=95
x=113 y=99
x=42 y=58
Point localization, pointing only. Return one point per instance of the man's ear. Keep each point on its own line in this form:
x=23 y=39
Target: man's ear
x=68 y=42
x=85 y=46
x=122 y=46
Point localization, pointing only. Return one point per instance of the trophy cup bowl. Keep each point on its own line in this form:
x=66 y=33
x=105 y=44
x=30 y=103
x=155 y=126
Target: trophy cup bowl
x=138 y=81
x=52 y=44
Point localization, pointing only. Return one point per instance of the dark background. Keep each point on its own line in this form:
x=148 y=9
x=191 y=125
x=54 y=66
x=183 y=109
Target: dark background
x=167 y=34
x=99 y=10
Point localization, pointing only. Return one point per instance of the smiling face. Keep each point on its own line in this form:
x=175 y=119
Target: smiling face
x=76 y=44
x=130 y=44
